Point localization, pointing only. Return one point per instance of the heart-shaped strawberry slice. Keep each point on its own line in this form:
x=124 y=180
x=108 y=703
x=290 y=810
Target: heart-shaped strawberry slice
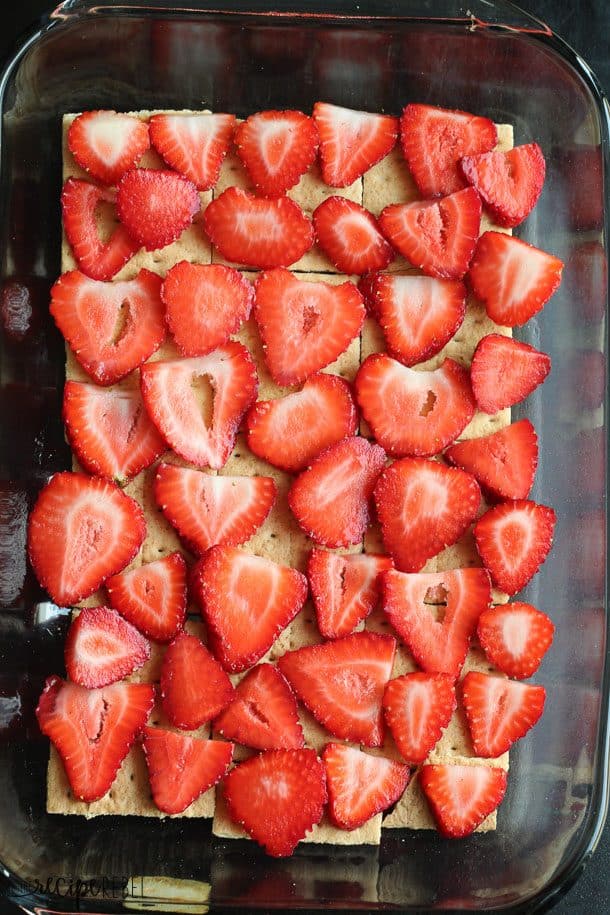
x=107 y=144
x=156 y=206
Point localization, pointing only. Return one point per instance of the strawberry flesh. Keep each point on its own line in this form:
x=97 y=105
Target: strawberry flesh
x=276 y=148
x=359 y=785
x=505 y=371
x=499 y=712
x=152 y=597
x=509 y=183
x=461 y=797
x=351 y=141
x=350 y=237
x=515 y=638
x=194 y=687
x=101 y=648
x=193 y=144
x=107 y=144
x=417 y=709
x=504 y=463
x=344 y=589
x=156 y=206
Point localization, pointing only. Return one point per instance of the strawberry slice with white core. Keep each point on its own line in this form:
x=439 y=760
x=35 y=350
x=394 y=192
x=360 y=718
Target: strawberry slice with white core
x=414 y=412
x=461 y=797
x=81 y=530
x=515 y=638
x=101 y=648
x=156 y=206
x=304 y=326
x=505 y=371
x=197 y=404
x=350 y=237
x=193 y=144
x=93 y=730
x=360 y=785
x=436 y=614
x=504 y=463
x=109 y=430
x=107 y=144
x=152 y=597
x=499 y=712
x=417 y=708
x=514 y=280
x=276 y=148
x=194 y=687
x=509 y=183
x=112 y=328
x=351 y=141
x=344 y=589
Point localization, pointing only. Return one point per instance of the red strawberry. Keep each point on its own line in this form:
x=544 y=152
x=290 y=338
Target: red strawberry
x=360 y=785
x=423 y=507
x=417 y=709
x=194 y=687
x=246 y=601
x=96 y=258
x=255 y=232
x=505 y=371
x=81 y=530
x=410 y=411
x=107 y=144
x=109 y=430
x=205 y=304
x=366 y=286
x=418 y=314
x=438 y=645
x=514 y=280
x=461 y=797
x=439 y=236
x=111 y=327
x=263 y=712
x=101 y=648
x=345 y=589
x=330 y=499
x=351 y=141
x=181 y=768
x=276 y=147
x=304 y=326
x=434 y=140
x=342 y=683
x=504 y=462
x=93 y=729
x=291 y=431
x=207 y=510
x=152 y=597
x=514 y=539
x=156 y=206
x=499 y=711
x=515 y=638
x=277 y=797
x=193 y=144
x=349 y=236
x=509 y=183
x=197 y=404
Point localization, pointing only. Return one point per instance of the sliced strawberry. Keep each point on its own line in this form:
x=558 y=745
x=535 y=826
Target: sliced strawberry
x=156 y=206
x=349 y=236
x=461 y=797
x=509 y=183
x=107 y=144
x=366 y=286
x=96 y=258
x=514 y=539
x=360 y=785
x=434 y=140
x=289 y=432
x=439 y=236
x=92 y=730
x=194 y=687
x=181 y=768
x=263 y=712
x=423 y=507
x=505 y=371
x=276 y=147
x=304 y=326
x=417 y=709
x=101 y=648
x=111 y=327
x=499 y=711
x=410 y=411
x=256 y=232
x=81 y=530
x=246 y=601
x=277 y=797
x=417 y=314
x=331 y=499
x=515 y=638
x=205 y=304
x=109 y=430
x=193 y=144
x=351 y=142
x=345 y=589
x=514 y=280
x=197 y=404
x=439 y=645
x=342 y=683
x=208 y=510
x=504 y=463
x=152 y=597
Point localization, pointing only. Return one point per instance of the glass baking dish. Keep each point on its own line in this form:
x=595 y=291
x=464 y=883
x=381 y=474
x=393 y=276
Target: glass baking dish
x=485 y=57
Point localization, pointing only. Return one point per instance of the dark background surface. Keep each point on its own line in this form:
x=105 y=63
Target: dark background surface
x=585 y=24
